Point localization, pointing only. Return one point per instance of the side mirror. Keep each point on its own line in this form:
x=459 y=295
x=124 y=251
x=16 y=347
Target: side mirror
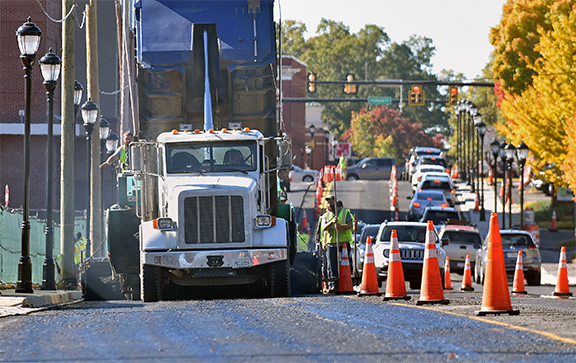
x=135 y=157
x=445 y=241
x=285 y=153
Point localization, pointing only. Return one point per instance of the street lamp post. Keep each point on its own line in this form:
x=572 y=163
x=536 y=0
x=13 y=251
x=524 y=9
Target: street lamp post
x=326 y=139
x=495 y=152
x=522 y=153
x=78 y=88
x=504 y=171
x=28 y=36
x=89 y=115
x=104 y=131
x=112 y=141
x=50 y=67
x=312 y=145
x=473 y=162
x=510 y=150
x=481 y=127
x=308 y=152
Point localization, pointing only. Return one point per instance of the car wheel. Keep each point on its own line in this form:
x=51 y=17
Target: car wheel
x=352 y=177
x=308 y=179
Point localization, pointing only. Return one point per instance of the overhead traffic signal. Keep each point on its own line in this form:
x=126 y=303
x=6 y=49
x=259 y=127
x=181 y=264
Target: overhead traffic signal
x=416 y=96
x=350 y=88
x=312 y=82
x=452 y=95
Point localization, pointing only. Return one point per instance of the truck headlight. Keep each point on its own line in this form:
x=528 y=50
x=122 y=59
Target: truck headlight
x=163 y=224
x=265 y=221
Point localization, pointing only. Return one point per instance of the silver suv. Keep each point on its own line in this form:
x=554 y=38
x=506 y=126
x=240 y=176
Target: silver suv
x=412 y=243
x=371 y=168
x=512 y=242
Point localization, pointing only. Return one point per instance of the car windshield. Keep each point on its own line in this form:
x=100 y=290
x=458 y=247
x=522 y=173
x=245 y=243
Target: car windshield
x=436 y=184
x=210 y=157
x=463 y=237
x=437 y=217
x=516 y=240
x=405 y=233
x=371 y=231
x=434 y=161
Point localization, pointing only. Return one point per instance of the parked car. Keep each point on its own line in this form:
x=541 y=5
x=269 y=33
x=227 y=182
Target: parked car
x=440 y=215
x=464 y=240
x=412 y=243
x=371 y=169
x=512 y=242
x=416 y=153
x=369 y=230
x=443 y=184
x=424 y=199
x=297 y=174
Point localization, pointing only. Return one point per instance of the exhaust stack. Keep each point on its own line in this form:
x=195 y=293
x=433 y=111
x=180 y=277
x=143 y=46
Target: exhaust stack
x=208 y=123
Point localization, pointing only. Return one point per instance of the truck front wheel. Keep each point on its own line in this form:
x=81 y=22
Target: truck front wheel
x=280 y=279
x=149 y=283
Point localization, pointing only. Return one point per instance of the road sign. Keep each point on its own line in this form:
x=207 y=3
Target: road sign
x=379 y=100
x=343 y=149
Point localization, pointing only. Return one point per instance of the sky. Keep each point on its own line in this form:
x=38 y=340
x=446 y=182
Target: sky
x=458 y=28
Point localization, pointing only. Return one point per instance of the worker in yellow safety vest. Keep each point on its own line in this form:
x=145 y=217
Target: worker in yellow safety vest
x=343 y=165
x=330 y=224
x=79 y=248
x=302 y=240
x=122 y=153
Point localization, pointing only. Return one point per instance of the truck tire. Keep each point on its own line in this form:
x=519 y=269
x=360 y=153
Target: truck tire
x=149 y=283
x=280 y=279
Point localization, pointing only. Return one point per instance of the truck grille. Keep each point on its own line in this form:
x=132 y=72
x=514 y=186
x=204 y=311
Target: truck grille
x=214 y=219
x=408 y=254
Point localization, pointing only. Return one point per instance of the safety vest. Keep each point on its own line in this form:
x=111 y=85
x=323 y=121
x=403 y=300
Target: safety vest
x=343 y=235
x=79 y=249
x=302 y=243
x=123 y=159
x=343 y=162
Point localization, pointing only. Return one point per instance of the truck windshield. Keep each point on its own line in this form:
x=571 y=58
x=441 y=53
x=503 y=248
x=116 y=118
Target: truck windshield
x=210 y=157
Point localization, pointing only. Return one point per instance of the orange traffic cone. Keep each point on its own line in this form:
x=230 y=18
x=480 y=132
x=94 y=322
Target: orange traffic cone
x=518 y=285
x=495 y=297
x=490 y=177
x=304 y=219
x=395 y=284
x=431 y=291
x=467 y=278
x=394 y=201
x=562 y=289
x=553 y=227
x=396 y=214
x=457 y=172
x=447 y=281
x=369 y=284
x=476 y=203
x=345 y=278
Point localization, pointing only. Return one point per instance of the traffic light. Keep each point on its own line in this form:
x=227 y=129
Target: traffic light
x=350 y=88
x=312 y=82
x=452 y=95
x=416 y=96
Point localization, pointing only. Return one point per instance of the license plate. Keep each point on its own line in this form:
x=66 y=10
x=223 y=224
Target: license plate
x=512 y=254
x=240 y=263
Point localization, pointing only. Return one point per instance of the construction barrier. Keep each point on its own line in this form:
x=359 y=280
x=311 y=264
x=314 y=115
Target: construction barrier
x=395 y=283
x=369 y=285
x=447 y=281
x=345 y=278
x=562 y=289
x=518 y=285
x=467 y=277
x=553 y=227
x=431 y=290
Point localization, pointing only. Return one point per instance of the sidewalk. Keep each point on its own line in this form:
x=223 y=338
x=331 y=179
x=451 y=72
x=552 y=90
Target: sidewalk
x=13 y=303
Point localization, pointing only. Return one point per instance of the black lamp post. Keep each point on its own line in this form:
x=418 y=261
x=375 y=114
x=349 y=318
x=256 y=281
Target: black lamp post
x=522 y=153
x=481 y=127
x=510 y=150
x=112 y=141
x=458 y=114
x=89 y=115
x=78 y=88
x=473 y=163
x=308 y=152
x=326 y=140
x=28 y=36
x=312 y=145
x=504 y=173
x=50 y=67
x=495 y=152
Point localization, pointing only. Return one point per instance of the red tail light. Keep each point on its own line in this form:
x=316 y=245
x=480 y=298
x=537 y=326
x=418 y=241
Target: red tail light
x=532 y=247
x=416 y=205
x=444 y=205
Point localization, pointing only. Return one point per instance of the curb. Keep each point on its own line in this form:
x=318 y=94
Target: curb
x=41 y=300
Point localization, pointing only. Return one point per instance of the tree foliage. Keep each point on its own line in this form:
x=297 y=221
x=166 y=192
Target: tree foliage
x=542 y=114
x=384 y=132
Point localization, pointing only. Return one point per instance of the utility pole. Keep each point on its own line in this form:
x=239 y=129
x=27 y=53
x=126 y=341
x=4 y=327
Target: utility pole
x=67 y=149
x=93 y=92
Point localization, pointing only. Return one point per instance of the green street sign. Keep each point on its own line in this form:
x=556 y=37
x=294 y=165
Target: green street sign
x=379 y=100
